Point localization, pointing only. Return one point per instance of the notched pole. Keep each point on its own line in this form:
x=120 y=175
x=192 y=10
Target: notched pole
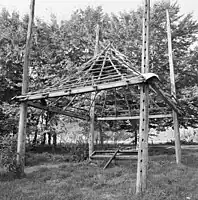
x=141 y=182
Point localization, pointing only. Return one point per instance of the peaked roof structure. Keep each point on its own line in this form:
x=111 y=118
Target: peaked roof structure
x=107 y=70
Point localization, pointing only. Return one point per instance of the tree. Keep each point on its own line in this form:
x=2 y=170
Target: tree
x=60 y=49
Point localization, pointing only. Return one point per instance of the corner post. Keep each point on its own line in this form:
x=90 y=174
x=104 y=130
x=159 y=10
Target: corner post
x=92 y=109
x=23 y=106
x=142 y=165
x=173 y=92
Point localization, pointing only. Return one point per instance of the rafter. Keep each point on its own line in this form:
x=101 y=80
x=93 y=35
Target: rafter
x=168 y=100
x=103 y=64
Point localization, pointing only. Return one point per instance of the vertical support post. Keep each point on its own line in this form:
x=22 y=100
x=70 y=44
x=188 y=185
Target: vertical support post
x=23 y=106
x=92 y=120
x=92 y=109
x=142 y=166
x=173 y=92
x=101 y=135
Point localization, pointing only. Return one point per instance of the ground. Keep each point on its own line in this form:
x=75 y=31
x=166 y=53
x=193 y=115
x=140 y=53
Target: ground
x=85 y=181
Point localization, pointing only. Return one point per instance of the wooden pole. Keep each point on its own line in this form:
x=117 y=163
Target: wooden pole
x=23 y=106
x=173 y=92
x=141 y=182
x=92 y=109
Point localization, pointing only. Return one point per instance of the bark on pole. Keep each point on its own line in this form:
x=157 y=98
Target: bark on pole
x=173 y=92
x=23 y=106
x=92 y=109
x=142 y=166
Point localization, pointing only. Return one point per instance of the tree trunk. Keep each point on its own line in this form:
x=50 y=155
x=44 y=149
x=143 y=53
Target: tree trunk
x=134 y=128
x=44 y=139
x=36 y=132
x=49 y=138
x=35 y=137
x=136 y=138
x=54 y=139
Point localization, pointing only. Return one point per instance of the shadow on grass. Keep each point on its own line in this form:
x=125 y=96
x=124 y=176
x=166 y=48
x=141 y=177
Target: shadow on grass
x=190 y=160
x=161 y=150
x=7 y=176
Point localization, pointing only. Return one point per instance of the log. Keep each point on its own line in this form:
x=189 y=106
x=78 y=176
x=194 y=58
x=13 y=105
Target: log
x=173 y=92
x=93 y=95
x=23 y=107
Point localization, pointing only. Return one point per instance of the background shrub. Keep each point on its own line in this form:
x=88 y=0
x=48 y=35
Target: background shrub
x=8 y=153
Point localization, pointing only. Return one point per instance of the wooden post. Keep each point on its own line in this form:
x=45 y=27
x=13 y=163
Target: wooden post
x=101 y=134
x=141 y=182
x=173 y=92
x=92 y=109
x=23 y=106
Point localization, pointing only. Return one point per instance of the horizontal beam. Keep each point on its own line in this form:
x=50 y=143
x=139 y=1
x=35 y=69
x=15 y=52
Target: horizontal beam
x=117 y=157
x=81 y=90
x=58 y=111
x=133 y=117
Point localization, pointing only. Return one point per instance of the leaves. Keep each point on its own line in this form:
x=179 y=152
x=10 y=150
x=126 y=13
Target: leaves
x=59 y=49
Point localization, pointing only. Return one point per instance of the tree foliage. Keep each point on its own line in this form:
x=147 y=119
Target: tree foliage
x=60 y=48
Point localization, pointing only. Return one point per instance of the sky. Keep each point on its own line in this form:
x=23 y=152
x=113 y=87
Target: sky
x=64 y=8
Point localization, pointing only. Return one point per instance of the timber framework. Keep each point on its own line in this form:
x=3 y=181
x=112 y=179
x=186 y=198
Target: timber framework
x=104 y=88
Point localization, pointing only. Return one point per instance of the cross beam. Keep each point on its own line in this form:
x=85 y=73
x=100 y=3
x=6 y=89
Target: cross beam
x=58 y=111
x=81 y=90
x=133 y=117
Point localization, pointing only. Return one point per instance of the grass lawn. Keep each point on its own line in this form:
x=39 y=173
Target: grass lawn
x=76 y=181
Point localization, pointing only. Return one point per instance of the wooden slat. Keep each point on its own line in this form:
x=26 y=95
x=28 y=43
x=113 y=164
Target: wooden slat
x=132 y=117
x=102 y=68
x=111 y=158
x=109 y=151
x=117 y=157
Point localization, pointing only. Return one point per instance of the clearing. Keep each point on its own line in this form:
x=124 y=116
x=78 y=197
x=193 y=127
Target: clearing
x=84 y=181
